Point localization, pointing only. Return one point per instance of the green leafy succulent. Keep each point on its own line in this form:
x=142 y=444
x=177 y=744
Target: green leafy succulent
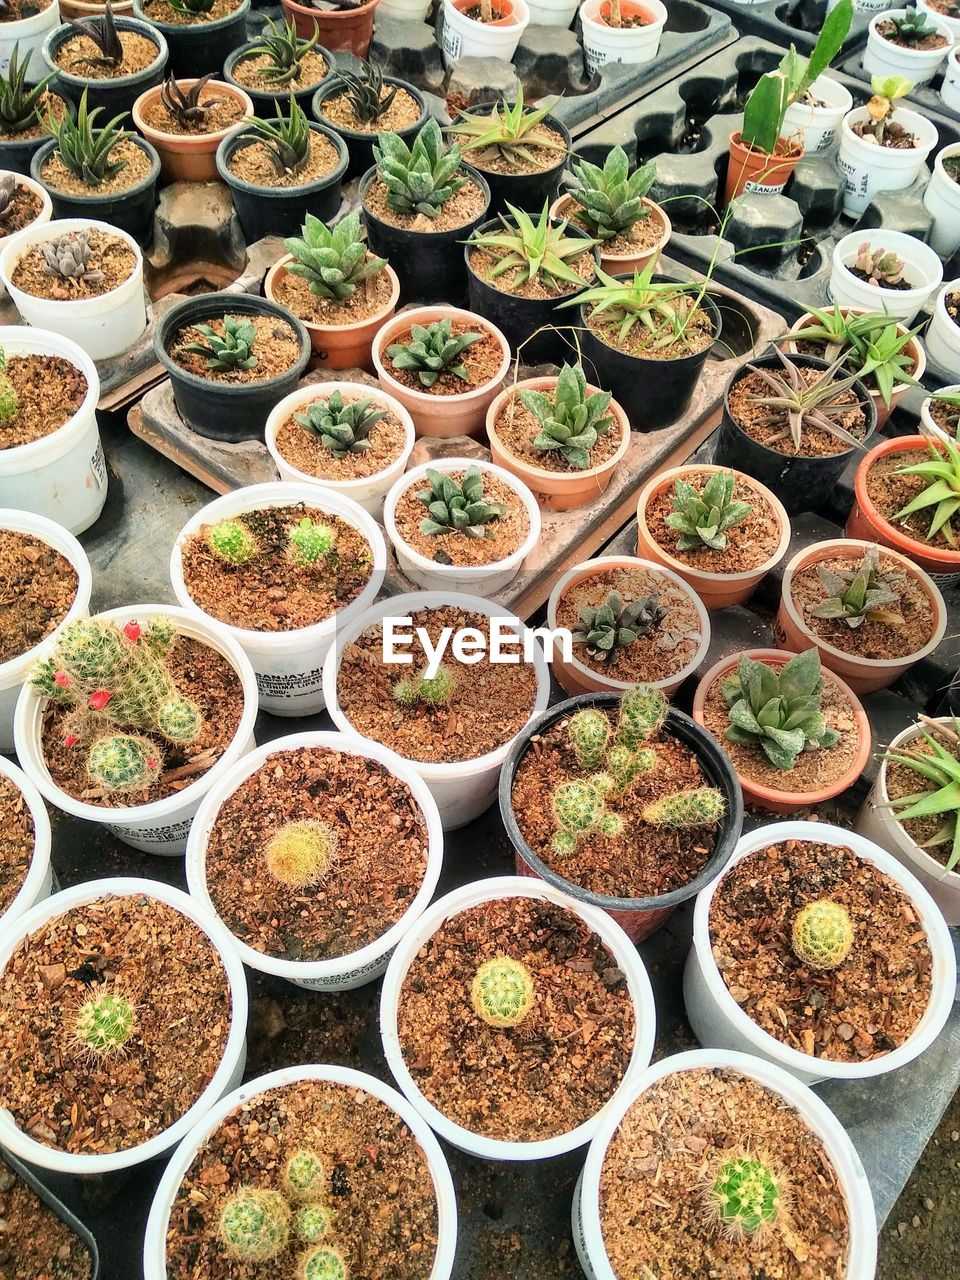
x=19 y=102
x=420 y=178
x=778 y=711
x=233 y=349
x=942 y=488
x=432 y=351
x=663 y=309
x=539 y=250
x=614 y=625
x=365 y=91
x=703 y=518
x=509 y=130
x=342 y=426
x=286 y=140
x=333 y=260
x=284 y=51
x=911 y=27
x=795 y=402
x=571 y=421
x=940 y=765
x=949 y=401
x=611 y=198
x=458 y=507
x=871 y=345
x=84 y=148
x=859 y=595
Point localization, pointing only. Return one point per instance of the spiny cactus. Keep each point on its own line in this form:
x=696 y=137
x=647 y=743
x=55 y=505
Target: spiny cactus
x=305 y=1176
x=589 y=734
x=333 y=261
x=625 y=765
x=822 y=934
x=9 y=400
x=104 y=1023
x=778 y=711
x=702 y=519
x=420 y=178
x=231 y=350
x=571 y=421
x=580 y=806
x=124 y=762
x=301 y=853
x=643 y=713
x=342 y=426
x=232 y=542
x=614 y=625
x=433 y=350
x=502 y=992
x=434 y=690
x=458 y=507
x=880 y=267
x=696 y=807
x=324 y=1264
x=745 y=1195
x=860 y=595
x=255 y=1225
x=68 y=256
x=312 y=1223
x=310 y=542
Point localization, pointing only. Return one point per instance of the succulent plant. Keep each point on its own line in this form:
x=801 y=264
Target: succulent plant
x=8 y=189
x=432 y=351
x=232 y=542
x=643 y=713
x=502 y=992
x=859 y=595
x=911 y=27
x=694 y=807
x=949 y=402
x=879 y=266
x=821 y=401
x=364 y=90
x=778 y=712
x=334 y=260
x=284 y=49
x=458 y=507
x=509 y=130
x=702 y=518
x=187 y=107
x=301 y=853
x=434 y=690
x=887 y=91
x=305 y=1176
x=822 y=934
x=871 y=345
x=611 y=198
x=342 y=426
x=84 y=148
x=538 y=250
x=579 y=807
x=229 y=351
x=102 y=30
x=420 y=178
x=310 y=542
x=614 y=625
x=663 y=309
x=942 y=488
x=104 y=1023
x=255 y=1224
x=68 y=257
x=589 y=732
x=9 y=400
x=571 y=421
x=286 y=140
x=121 y=762
x=745 y=1195
x=939 y=764
x=20 y=103
x=324 y=1264
x=312 y=1223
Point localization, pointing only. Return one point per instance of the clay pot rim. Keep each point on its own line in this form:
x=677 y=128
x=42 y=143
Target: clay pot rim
x=440 y=310
x=331 y=15
x=557 y=213
x=380 y=317
x=793 y=151
x=150 y=131
x=914 y=346
x=949 y=559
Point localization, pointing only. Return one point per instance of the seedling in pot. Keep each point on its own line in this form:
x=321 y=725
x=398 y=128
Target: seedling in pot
x=571 y=421
x=942 y=489
x=19 y=102
x=859 y=595
x=502 y=992
x=286 y=140
x=432 y=691
x=102 y=31
x=341 y=426
x=664 y=310
x=364 y=90
x=510 y=131
x=233 y=349
x=821 y=402
x=232 y=542
x=255 y=1225
x=104 y=1023
x=779 y=712
x=744 y=1195
x=611 y=198
x=702 y=519
x=85 y=148
x=887 y=91
x=458 y=507
x=333 y=261
x=284 y=50
x=432 y=351
x=878 y=266
x=9 y=400
x=300 y=854
x=614 y=625
x=939 y=765
x=68 y=256
x=822 y=934
x=420 y=178
x=187 y=107
x=310 y=543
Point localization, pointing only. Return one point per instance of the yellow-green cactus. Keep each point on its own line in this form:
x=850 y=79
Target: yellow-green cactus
x=301 y=853
x=435 y=690
x=643 y=712
x=310 y=543
x=122 y=762
x=745 y=1195
x=255 y=1224
x=312 y=1223
x=324 y=1263
x=502 y=992
x=822 y=934
x=305 y=1176
x=232 y=542
x=104 y=1023
x=589 y=733
x=626 y=765
x=696 y=807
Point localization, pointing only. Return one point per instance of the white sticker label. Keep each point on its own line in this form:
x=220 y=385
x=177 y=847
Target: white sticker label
x=758 y=189
x=98 y=465
x=452 y=41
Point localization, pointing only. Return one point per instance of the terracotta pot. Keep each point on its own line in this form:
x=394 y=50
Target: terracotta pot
x=188 y=157
x=340 y=346
x=916 y=351
x=863 y=675
x=350 y=29
x=620 y=263
x=785 y=801
x=752 y=170
x=556 y=490
x=456 y=415
x=866 y=522
x=716 y=590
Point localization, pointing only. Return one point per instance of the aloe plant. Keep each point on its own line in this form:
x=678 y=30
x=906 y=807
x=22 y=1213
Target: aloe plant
x=940 y=765
x=510 y=130
x=538 y=250
x=941 y=493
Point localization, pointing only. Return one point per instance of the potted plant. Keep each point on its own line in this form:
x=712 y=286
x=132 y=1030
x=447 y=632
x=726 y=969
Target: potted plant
x=47 y=1234
x=24 y=109
x=621 y=31
x=231 y=357
x=809 y=746
x=444 y=365
x=343 y=24
x=418 y=202
x=622 y=803
x=360 y=105
x=341 y=292
x=940 y=412
x=816 y=113
x=520 y=271
x=354 y=443
x=99 y=171
x=736 y=1206
x=476 y=979
x=409 y=709
x=27 y=876
x=840 y=917
x=871 y=614
x=109 y=1006
x=941 y=199
x=459 y=525
x=482 y=29
x=947 y=11
x=200 y=34
x=630 y=622
x=112 y=59
x=280 y=170
x=45 y=582
x=950 y=88
x=883 y=147
x=891 y=272
x=908 y=42
x=563 y=438
x=943 y=333
x=648 y=338
x=721 y=531
x=23 y=202
x=24 y=25
x=282 y=568
x=279 y=62
x=81 y=279
x=312 y=1210
x=611 y=205
x=186 y=121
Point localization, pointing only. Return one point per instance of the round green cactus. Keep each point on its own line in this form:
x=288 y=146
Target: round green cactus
x=564 y=843
x=577 y=805
x=643 y=711
x=9 y=401
x=310 y=543
x=502 y=992
x=627 y=765
x=312 y=1223
x=232 y=542
x=436 y=689
x=610 y=824
x=324 y=1264
x=91 y=651
x=589 y=732
x=305 y=1176
x=745 y=1195
x=698 y=807
x=123 y=762
x=406 y=693
x=179 y=720
x=301 y=853
x=822 y=934
x=255 y=1224
x=104 y=1023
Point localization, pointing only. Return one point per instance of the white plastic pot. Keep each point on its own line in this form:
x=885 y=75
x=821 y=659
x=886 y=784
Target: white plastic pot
x=227 y=1075
x=552 y=13
x=30 y=34
x=409 y=10
x=942 y=339
x=155 y=1242
x=368 y=492
x=15 y=671
x=934 y=427
x=878 y=824
x=861 y=1261
x=626 y=957
x=603 y=44
x=38 y=882
x=62 y=476
x=883 y=58
x=465 y=788
x=356 y=968
x=426 y=573
x=465 y=38
x=103 y=326
x=921 y=264
x=818 y=126
x=952 y=24
x=950 y=88
x=288 y=664
x=869 y=169
x=46 y=204
x=941 y=199
x=717 y=1020
x=161 y=826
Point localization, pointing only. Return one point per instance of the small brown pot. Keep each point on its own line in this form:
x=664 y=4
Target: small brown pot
x=188 y=157
x=340 y=346
x=620 y=263
x=716 y=590
x=349 y=29
x=756 y=170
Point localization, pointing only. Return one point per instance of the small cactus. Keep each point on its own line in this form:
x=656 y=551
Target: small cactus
x=324 y=1264
x=311 y=1223
x=310 y=543
x=589 y=733
x=745 y=1195
x=179 y=720
x=305 y=1176
x=104 y=1023
x=255 y=1224
x=301 y=853
x=232 y=542
x=626 y=766
x=577 y=805
x=643 y=711
x=124 y=762
x=435 y=690
x=697 y=807
x=822 y=934
x=502 y=992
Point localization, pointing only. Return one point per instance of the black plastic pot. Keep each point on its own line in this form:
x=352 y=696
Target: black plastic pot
x=638 y=916
x=654 y=393
x=519 y=318
x=56 y=1207
x=199 y=47
x=114 y=95
x=132 y=211
x=523 y=190
x=16 y=154
x=280 y=211
x=801 y=484
x=429 y=264
x=361 y=144
x=265 y=100
x=217 y=410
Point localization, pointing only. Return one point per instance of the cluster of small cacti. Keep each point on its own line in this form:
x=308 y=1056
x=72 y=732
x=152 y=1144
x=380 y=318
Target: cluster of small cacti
x=301 y=853
x=502 y=992
x=104 y=1023
x=433 y=690
x=9 y=401
x=309 y=542
x=744 y=1195
x=822 y=934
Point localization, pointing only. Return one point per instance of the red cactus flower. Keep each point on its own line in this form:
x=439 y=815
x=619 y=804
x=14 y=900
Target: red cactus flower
x=70 y=740
x=132 y=631
x=152 y=762
x=62 y=679
x=100 y=699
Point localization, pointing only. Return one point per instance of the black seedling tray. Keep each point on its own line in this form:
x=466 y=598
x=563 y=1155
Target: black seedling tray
x=787 y=22
x=925 y=97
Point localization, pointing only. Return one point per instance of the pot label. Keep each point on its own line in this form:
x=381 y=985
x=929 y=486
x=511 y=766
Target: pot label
x=300 y=684
x=98 y=465
x=452 y=40
x=760 y=189
x=857 y=181
x=827 y=139
x=173 y=833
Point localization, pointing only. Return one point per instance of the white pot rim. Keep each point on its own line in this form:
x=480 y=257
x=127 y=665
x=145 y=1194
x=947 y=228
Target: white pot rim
x=925 y=409
x=24 y=179
x=421 y=315
x=26 y=456
x=17 y=245
x=29 y=707
x=823 y=85
x=125 y=886
x=154 y=1252
x=912 y=55
x=943 y=968
x=617 y=944
x=40 y=858
x=947 y=152
x=352 y=744
x=10 y=32
x=520 y=12
x=929 y=864
x=917 y=124
x=656 y=7
x=407 y=604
